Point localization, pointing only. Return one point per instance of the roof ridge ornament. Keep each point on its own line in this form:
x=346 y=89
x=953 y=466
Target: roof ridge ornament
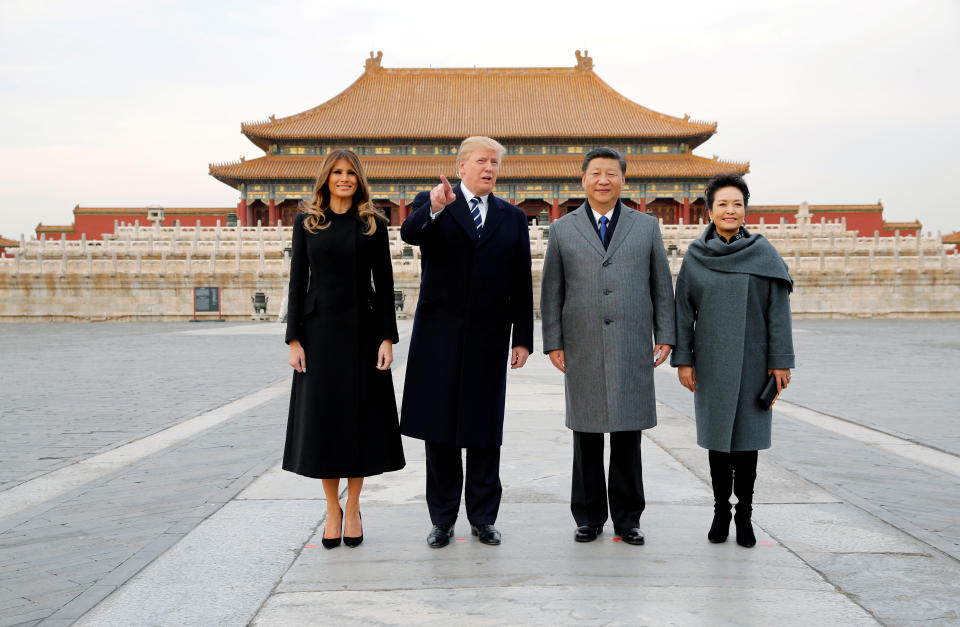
x=373 y=63
x=584 y=61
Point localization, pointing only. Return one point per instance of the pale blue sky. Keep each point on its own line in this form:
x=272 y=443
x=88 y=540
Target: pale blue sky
x=109 y=103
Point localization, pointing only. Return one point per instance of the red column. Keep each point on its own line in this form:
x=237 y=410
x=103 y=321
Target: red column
x=643 y=204
x=242 y=212
x=250 y=221
x=686 y=210
x=272 y=214
x=555 y=210
x=402 y=212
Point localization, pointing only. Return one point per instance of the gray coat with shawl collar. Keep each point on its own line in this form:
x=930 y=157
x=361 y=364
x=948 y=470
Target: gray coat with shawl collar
x=733 y=323
x=604 y=308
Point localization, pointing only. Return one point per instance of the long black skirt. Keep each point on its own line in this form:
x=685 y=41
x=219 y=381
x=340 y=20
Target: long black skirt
x=343 y=414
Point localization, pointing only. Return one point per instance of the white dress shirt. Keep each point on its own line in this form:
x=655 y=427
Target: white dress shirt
x=597 y=216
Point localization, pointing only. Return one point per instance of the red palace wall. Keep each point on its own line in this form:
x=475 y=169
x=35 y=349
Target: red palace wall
x=94 y=225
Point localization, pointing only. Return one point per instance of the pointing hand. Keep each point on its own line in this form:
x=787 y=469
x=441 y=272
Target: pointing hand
x=441 y=195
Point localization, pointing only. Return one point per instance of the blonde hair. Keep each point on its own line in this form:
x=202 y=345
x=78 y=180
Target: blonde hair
x=316 y=208
x=479 y=142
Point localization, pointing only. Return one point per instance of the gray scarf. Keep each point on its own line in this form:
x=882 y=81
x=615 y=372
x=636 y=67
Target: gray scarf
x=752 y=254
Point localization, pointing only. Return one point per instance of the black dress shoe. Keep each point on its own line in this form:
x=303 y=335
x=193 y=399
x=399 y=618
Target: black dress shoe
x=329 y=543
x=487 y=534
x=354 y=541
x=439 y=536
x=587 y=533
x=630 y=536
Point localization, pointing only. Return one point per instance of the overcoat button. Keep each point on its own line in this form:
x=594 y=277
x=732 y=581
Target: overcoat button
x=607 y=321
x=606 y=291
x=606 y=263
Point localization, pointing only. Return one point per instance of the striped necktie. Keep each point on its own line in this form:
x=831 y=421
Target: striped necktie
x=475 y=212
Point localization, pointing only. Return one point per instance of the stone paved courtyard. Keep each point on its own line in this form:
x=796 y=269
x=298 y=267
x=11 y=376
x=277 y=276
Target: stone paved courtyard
x=138 y=464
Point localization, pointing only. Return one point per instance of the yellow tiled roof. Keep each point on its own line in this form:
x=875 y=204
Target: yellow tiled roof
x=453 y=103
x=54 y=228
x=290 y=167
x=902 y=226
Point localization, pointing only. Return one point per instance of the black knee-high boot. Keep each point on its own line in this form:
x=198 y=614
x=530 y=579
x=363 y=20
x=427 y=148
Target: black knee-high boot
x=721 y=476
x=744 y=476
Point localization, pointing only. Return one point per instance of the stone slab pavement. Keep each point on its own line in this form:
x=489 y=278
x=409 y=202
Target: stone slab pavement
x=539 y=575
x=204 y=528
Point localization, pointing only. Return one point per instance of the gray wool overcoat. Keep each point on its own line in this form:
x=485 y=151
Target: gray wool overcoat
x=731 y=327
x=604 y=309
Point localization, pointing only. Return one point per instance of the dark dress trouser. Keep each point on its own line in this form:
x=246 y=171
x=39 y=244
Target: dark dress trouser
x=445 y=483
x=588 y=498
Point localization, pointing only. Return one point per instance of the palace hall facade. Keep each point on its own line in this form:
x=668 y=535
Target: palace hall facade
x=407 y=123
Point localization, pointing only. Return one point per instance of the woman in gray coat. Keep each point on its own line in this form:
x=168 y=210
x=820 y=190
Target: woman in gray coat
x=733 y=332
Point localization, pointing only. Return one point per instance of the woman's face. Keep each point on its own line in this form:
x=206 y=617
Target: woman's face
x=343 y=180
x=728 y=211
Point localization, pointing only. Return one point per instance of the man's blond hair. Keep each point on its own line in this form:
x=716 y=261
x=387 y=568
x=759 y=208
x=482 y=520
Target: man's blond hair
x=479 y=142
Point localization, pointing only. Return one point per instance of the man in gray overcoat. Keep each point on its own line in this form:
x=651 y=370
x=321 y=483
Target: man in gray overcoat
x=608 y=321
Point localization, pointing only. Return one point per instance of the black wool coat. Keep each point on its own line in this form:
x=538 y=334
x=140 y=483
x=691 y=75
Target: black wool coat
x=343 y=414
x=473 y=293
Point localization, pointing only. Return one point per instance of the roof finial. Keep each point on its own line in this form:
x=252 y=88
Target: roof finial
x=584 y=62
x=273 y=117
x=373 y=63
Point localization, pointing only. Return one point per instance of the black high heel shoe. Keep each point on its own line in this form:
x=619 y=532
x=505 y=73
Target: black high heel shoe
x=329 y=543
x=355 y=541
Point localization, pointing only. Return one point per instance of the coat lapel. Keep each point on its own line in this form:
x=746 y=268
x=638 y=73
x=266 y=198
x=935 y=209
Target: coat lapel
x=585 y=226
x=495 y=213
x=624 y=224
x=461 y=214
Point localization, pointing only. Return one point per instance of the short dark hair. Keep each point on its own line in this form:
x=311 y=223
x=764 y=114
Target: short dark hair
x=604 y=153
x=726 y=180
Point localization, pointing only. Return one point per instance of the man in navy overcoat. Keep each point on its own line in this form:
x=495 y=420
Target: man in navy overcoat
x=475 y=290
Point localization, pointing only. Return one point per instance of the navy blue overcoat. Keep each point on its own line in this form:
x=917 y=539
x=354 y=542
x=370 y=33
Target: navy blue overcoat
x=473 y=293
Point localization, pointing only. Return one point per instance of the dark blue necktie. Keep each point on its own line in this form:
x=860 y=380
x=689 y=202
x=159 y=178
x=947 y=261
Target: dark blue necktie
x=475 y=212
x=603 y=230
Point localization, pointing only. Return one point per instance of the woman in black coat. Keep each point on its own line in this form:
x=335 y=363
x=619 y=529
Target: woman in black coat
x=733 y=332
x=343 y=413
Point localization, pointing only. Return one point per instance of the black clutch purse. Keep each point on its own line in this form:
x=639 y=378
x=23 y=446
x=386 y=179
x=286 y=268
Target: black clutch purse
x=769 y=394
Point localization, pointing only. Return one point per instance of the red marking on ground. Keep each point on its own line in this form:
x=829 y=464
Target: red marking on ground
x=616 y=539
x=460 y=540
x=309 y=546
x=767 y=543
